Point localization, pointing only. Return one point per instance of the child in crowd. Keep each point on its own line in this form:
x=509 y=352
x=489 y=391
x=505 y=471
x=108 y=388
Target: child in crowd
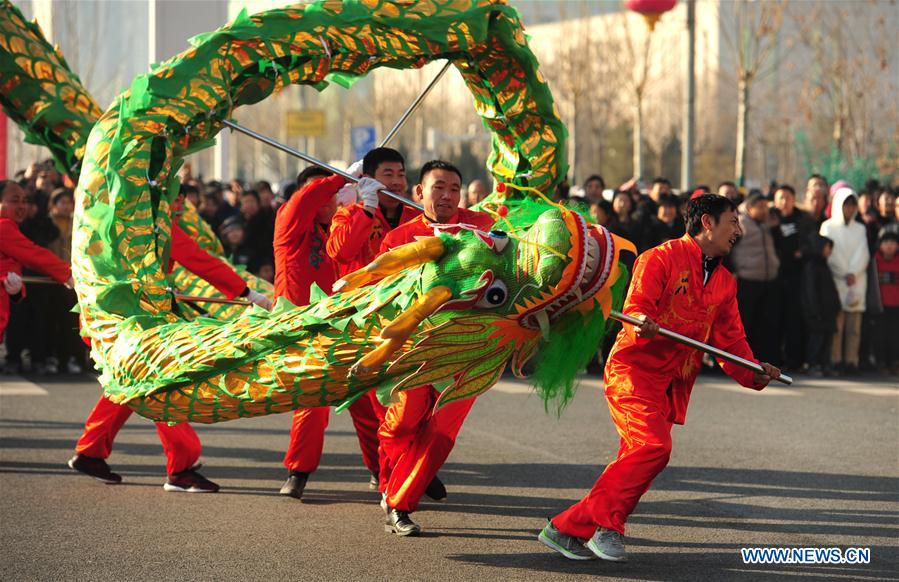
x=887 y=258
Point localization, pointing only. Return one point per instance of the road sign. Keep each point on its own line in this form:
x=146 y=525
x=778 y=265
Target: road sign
x=306 y=123
x=363 y=140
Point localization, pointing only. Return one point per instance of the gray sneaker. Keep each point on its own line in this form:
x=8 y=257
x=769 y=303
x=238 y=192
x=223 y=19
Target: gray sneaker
x=569 y=546
x=608 y=544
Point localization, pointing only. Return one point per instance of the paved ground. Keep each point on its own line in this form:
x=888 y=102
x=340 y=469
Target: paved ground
x=814 y=465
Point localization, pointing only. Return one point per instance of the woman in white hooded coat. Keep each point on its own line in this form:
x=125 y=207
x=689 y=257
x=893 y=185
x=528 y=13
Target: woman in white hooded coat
x=848 y=263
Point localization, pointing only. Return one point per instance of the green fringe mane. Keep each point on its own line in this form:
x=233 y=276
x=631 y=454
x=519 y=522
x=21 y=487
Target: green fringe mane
x=572 y=343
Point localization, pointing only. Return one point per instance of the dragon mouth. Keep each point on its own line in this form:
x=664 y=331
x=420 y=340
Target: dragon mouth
x=595 y=264
x=591 y=255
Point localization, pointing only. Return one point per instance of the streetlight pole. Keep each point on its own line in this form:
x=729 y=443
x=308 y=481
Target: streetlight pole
x=689 y=121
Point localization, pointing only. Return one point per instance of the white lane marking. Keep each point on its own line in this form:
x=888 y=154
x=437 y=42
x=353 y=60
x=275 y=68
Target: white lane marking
x=537 y=451
x=509 y=388
x=20 y=387
x=522 y=387
x=871 y=390
x=770 y=390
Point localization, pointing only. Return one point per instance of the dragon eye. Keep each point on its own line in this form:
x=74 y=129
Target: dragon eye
x=494 y=296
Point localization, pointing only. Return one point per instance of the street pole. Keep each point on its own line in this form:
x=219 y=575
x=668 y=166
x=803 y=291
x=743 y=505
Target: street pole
x=686 y=170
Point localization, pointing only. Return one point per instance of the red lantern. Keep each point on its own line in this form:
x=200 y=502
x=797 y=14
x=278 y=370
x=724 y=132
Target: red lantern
x=651 y=10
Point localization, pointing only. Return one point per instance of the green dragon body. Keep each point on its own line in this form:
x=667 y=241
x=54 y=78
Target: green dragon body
x=450 y=309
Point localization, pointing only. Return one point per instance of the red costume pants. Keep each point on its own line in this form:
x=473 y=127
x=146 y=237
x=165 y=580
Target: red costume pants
x=307 y=434
x=415 y=443
x=645 y=449
x=181 y=444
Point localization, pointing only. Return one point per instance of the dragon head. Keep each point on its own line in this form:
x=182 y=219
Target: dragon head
x=488 y=298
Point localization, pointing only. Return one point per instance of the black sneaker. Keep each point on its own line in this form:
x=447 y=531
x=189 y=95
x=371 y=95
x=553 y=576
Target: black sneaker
x=436 y=489
x=399 y=523
x=295 y=484
x=190 y=481
x=96 y=468
x=374 y=483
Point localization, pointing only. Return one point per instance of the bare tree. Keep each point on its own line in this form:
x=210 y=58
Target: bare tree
x=629 y=64
x=852 y=76
x=751 y=32
x=571 y=74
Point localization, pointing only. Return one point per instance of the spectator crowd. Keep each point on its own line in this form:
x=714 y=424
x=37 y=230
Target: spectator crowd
x=817 y=270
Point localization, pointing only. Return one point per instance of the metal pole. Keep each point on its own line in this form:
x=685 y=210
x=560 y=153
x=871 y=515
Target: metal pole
x=40 y=280
x=702 y=347
x=414 y=106
x=309 y=159
x=686 y=169
x=195 y=299
x=179 y=297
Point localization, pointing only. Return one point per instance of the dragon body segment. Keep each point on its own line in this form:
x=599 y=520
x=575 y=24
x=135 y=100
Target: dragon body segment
x=451 y=310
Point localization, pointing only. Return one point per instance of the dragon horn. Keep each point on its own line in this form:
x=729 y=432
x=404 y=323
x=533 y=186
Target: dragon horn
x=421 y=251
x=398 y=331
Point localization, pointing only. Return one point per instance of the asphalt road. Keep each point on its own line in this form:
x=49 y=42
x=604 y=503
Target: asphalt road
x=816 y=465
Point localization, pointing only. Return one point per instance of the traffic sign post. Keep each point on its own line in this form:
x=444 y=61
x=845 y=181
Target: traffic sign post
x=363 y=141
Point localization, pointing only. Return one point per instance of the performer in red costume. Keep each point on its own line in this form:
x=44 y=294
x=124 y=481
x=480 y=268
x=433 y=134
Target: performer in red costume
x=301 y=229
x=16 y=250
x=180 y=442
x=355 y=238
x=357 y=230
x=682 y=286
x=414 y=442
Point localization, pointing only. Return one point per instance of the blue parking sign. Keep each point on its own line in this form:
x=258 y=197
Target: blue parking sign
x=363 y=140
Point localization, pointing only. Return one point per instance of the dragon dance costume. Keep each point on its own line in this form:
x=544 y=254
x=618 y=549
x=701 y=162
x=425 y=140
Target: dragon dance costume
x=648 y=388
x=415 y=439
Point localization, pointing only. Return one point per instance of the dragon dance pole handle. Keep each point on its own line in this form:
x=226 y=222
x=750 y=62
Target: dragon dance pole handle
x=414 y=106
x=194 y=299
x=178 y=296
x=672 y=335
x=314 y=161
x=40 y=280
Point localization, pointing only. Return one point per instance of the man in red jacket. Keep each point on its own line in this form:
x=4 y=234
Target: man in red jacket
x=355 y=238
x=180 y=442
x=357 y=230
x=16 y=250
x=681 y=285
x=301 y=229
x=414 y=442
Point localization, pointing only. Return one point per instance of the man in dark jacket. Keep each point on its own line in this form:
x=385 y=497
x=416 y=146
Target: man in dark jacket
x=820 y=303
x=665 y=225
x=756 y=266
x=791 y=239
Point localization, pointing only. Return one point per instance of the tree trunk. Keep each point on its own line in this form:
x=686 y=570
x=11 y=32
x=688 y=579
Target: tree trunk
x=838 y=126
x=638 y=137
x=742 y=130
x=572 y=139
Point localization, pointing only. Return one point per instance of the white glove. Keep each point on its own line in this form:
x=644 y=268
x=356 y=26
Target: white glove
x=368 y=192
x=13 y=283
x=346 y=195
x=355 y=169
x=260 y=300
